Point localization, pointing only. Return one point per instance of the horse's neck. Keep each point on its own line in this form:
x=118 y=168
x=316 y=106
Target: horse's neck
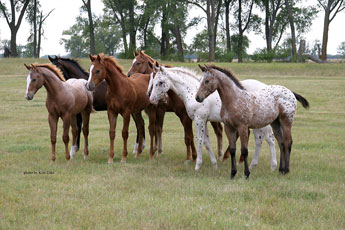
x=52 y=83
x=116 y=80
x=183 y=86
x=76 y=72
x=228 y=90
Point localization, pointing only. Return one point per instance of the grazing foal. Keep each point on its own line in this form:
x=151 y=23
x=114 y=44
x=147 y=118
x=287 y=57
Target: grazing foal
x=241 y=109
x=124 y=96
x=65 y=99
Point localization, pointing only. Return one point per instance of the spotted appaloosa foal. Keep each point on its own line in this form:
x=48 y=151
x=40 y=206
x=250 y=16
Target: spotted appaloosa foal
x=65 y=99
x=241 y=109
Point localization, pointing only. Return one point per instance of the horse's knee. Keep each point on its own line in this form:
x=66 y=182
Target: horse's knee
x=232 y=152
x=125 y=134
x=65 y=138
x=187 y=140
x=112 y=134
x=53 y=139
x=244 y=152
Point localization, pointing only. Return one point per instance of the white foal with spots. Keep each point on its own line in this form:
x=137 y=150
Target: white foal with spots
x=185 y=83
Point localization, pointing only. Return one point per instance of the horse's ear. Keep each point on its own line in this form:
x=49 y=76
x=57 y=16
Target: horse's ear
x=50 y=59
x=141 y=52
x=99 y=59
x=207 y=68
x=135 y=53
x=203 y=69
x=151 y=65
x=28 y=67
x=34 y=68
x=157 y=64
x=92 y=58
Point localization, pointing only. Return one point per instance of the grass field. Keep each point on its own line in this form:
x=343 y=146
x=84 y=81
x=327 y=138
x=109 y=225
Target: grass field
x=165 y=193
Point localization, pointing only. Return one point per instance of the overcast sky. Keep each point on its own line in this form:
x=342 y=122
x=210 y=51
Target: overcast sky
x=66 y=11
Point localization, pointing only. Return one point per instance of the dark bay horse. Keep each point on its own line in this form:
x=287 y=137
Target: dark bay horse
x=143 y=63
x=241 y=109
x=125 y=96
x=65 y=99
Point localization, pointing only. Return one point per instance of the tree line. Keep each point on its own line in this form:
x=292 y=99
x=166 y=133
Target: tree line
x=127 y=25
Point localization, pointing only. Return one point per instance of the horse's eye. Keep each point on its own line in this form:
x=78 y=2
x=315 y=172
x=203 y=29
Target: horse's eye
x=138 y=63
x=98 y=71
x=33 y=80
x=160 y=83
x=206 y=81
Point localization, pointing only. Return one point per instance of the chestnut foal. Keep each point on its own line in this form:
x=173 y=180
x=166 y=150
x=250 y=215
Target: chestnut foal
x=143 y=63
x=65 y=99
x=124 y=96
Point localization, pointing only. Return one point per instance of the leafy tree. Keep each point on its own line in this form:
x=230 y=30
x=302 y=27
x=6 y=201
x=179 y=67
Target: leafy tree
x=331 y=8
x=341 y=49
x=18 y=6
x=87 y=8
x=239 y=51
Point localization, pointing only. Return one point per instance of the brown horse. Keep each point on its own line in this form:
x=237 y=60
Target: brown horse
x=124 y=96
x=65 y=99
x=242 y=109
x=143 y=63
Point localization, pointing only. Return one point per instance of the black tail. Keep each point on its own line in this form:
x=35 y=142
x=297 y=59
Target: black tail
x=301 y=99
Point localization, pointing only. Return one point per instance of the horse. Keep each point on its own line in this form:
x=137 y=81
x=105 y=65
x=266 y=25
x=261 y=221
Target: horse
x=241 y=109
x=125 y=96
x=143 y=63
x=185 y=83
x=65 y=99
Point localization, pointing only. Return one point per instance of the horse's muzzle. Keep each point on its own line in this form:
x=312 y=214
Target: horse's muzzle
x=153 y=101
x=90 y=86
x=29 y=96
x=199 y=99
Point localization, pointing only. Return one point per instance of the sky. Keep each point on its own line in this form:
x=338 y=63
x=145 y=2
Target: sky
x=66 y=11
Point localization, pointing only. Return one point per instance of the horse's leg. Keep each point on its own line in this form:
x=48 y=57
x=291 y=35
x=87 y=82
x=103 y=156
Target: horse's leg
x=135 y=150
x=218 y=130
x=188 y=137
x=243 y=132
x=279 y=136
x=200 y=131
x=140 y=128
x=53 y=120
x=287 y=145
x=269 y=136
x=152 y=124
x=258 y=136
x=126 y=118
x=160 y=113
x=65 y=137
x=209 y=148
x=86 y=120
x=79 y=122
x=75 y=131
x=112 y=117
x=232 y=137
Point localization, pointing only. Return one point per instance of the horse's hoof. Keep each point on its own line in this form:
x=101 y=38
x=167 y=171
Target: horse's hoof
x=197 y=167
x=251 y=166
x=85 y=157
x=110 y=160
x=137 y=155
x=273 y=167
x=51 y=162
x=123 y=160
x=187 y=162
x=215 y=166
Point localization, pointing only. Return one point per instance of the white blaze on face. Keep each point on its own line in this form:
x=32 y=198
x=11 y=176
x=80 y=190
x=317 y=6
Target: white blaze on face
x=150 y=85
x=90 y=73
x=28 y=80
x=134 y=60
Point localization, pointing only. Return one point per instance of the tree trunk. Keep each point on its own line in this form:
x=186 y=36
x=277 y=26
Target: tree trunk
x=178 y=36
x=325 y=34
x=39 y=34
x=210 y=25
x=35 y=30
x=14 y=42
x=293 y=34
x=268 y=31
x=132 y=32
x=91 y=27
x=216 y=24
x=145 y=33
x=240 y=32
x=227 y=26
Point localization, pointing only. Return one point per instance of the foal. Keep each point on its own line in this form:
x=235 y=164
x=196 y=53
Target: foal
x=124 y=96
x=65 y=99
x=241 y=109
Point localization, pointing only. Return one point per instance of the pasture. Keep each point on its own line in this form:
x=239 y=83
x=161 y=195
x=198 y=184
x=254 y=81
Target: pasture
x=164 y=193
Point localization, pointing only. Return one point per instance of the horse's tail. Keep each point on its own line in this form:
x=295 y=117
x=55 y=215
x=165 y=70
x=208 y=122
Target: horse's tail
x=301 y=99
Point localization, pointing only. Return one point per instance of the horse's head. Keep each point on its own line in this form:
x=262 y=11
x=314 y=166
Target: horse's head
x=160 y=85
x=34 y=81
x=97 y=72
x=140 y=63
x=60 y=64
x=208 y=84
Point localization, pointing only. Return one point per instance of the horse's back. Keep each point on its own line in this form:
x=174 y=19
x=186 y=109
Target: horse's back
x=253 y=85
x=82 y=96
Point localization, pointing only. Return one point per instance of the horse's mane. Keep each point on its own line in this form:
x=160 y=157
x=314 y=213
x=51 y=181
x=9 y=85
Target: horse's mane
x=229 y=74
x=113 y=62
x=186 y=71
x=76 y=63
x=52 y=68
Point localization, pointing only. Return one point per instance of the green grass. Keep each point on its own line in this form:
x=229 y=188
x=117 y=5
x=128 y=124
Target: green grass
x=164 y=193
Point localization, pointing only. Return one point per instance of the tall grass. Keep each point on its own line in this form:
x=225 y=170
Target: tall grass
x=165 y=193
